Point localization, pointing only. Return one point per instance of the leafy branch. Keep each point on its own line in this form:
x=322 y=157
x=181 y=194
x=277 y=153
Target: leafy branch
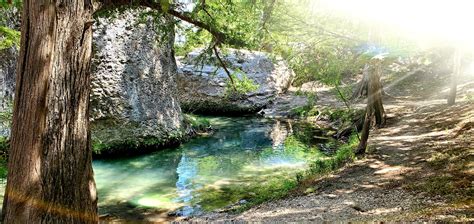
x=165 y=7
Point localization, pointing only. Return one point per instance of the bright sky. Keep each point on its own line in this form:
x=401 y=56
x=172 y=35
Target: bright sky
x=447 y=20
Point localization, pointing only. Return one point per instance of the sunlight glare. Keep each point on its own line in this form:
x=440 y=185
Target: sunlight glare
x=424 y=20
x=470 y=69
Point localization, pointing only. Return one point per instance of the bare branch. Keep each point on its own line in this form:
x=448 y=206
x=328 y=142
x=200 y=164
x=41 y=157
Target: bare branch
x=224 y=66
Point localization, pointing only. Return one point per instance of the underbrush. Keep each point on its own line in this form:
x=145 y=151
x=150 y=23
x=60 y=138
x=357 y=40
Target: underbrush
x=3 y=145
x=339 y=115
x=3 y=157
x=197 y=123
x=3 y=168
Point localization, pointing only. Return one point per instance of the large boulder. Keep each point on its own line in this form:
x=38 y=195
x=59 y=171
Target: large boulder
x=204 y=84
x=8 y=54
x=133 y=84
x=133 y=98
x=7 y=87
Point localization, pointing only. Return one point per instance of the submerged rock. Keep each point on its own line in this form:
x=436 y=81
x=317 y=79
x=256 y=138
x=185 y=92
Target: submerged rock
x=203 y=85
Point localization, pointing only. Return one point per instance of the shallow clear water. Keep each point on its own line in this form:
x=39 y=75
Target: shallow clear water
x=241 y=151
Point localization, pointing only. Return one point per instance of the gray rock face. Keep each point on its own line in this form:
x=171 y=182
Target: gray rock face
x=203 y=85
x=7 y=76
x=133 y=82
x=7 y=69
x=7 y=87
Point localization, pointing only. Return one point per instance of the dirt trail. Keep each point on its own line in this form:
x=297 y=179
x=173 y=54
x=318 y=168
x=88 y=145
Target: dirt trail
x=421 y=168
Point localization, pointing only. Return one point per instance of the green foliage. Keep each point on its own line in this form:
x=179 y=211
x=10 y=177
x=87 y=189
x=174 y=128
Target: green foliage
x=197 y=123
x=241 y=85
x=253 y=194
x=9 y=38
x=165 y=5
x=340 y=115
x=14 y=3
x=6 y=116
x=4 y=145
x=327 y=64
x=3 y=169
x=238 y=20
x=309 y=109
x=344 y=153
x=194 y=39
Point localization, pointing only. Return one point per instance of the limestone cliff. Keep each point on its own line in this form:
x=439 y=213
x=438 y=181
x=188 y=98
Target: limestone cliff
x=133 y=98
x=203 y=84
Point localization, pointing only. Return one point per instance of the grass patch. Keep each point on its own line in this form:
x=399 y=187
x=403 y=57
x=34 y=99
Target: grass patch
x=197 y=123
x=307 y=110
x=344 y=154
x=4 y=145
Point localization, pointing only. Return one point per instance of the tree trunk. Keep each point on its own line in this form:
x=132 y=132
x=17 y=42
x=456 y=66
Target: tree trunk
x=375 y=92
x=374 y=105
x=361 y=88
x=50 y=177
x=361 y=148
x=454 y=77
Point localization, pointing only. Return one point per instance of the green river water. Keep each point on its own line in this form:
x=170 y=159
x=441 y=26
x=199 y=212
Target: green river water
x=208 y=172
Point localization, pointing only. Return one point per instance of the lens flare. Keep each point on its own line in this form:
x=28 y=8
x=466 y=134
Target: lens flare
x=427 y=22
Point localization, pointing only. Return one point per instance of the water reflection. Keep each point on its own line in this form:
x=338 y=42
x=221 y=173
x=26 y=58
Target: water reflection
x=280 y=130
x=241 y=151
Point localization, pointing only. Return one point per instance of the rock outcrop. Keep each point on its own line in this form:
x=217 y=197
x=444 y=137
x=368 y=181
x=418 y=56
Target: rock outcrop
x=7 y=69
x=133 y=83
x=133 y=97
x=203 y=86
x=7 y=87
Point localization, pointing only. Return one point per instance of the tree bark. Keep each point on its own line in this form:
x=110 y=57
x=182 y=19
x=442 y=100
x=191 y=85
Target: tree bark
x=454 y=77
x=374 y=104
x=361 y=88
x=50 y=177
x=361 y=148
x=375 y=92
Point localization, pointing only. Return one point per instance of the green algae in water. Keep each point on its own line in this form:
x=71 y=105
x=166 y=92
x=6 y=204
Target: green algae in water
x=243 y=159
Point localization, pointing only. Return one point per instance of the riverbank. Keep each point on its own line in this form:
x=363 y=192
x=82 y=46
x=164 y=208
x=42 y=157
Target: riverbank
x=246 y=161
x=420 y=169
